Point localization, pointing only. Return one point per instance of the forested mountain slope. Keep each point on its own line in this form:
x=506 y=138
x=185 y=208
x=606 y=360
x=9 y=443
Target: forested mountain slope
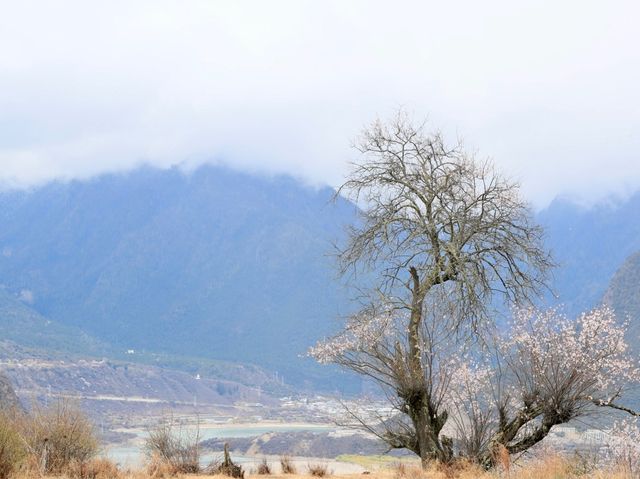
x=213 y=263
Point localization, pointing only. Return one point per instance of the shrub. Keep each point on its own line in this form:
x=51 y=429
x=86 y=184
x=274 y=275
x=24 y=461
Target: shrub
x=12 y=450
x=263 y=468
x=174 y=446
x=287 y=465
x=60 y=437
x=318 y=470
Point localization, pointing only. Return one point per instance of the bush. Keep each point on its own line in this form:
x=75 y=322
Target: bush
x=287 y=465
x=60 y=437
x=12 y=450
x=177 y=448
x=263 y=468
x=318 y=470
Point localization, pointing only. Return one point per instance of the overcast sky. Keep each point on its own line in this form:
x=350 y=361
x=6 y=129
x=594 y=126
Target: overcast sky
x=550 y=90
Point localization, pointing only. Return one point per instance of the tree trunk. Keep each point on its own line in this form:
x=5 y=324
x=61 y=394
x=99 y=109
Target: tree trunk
x=426 y=422
x=509 y=431
x=417 y=298
x=427 y=425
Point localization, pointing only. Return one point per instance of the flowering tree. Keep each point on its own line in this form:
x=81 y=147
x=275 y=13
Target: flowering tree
x=444 y=234
x=623 y=446
x=544 y=370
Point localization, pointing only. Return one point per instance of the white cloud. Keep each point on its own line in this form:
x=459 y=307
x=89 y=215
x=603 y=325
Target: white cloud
x=548 y=89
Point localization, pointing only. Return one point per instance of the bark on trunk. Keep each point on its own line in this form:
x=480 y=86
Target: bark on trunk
x=426 y=422
x=430 y=445
x=509 y=431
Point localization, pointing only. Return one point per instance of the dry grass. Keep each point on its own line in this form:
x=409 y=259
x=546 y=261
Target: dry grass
x=524 y=474
x=377 y=462
x=159 y=467
x=287 y=466
x=502 y=458
x=550 y=467
x=437 y=471
x=94 y=469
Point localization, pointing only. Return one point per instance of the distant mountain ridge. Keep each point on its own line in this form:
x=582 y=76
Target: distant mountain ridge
x=589 y=245
x=623 y=295
x=20 y=323
x=222 y=265
x=214 y=263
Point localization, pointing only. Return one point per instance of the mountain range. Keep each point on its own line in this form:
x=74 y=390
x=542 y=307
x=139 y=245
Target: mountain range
x=216 y=264
x=213 y=264
x=589 y=244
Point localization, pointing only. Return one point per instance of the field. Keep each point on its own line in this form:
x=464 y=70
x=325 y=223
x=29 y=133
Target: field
x=549 y=467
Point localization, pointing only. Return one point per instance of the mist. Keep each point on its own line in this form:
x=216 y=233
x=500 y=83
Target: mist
x=548 y=91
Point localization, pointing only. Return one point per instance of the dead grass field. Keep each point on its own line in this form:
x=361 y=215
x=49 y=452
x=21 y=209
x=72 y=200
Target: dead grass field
x=548 y=468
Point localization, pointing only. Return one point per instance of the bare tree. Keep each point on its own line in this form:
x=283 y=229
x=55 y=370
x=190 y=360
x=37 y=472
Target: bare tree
x=444 y=231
